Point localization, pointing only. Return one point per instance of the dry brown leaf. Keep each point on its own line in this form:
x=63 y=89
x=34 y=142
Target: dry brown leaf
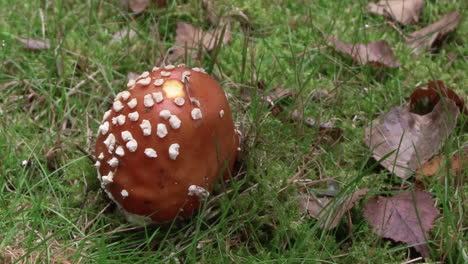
x=425 y=38
x=123 y=34
x=404 y=11
x=457 y=164
x=423 y=100
x=34 y=44
x=329 y=210
x=191 y=38
x=412 y=138
x=407 y=217
x=376 y=53
x=138 y=6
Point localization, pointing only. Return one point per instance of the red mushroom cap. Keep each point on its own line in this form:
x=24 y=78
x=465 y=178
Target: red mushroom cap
x=165 y=141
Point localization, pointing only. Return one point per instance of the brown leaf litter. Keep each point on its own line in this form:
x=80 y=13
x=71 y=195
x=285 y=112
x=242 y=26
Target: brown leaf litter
x=34 y=44
x=376 y=53
x=412 y=139
x=456 y=164
x=425 y=38
x=407 y=217
x=190 y=38
x=329 y=210
x=404 y=11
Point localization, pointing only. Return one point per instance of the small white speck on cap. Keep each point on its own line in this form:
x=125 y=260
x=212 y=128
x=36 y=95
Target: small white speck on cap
x=155 y=69
x=174 y=151
x=165 y=114
x=194 y=190
x=97 y=164
x=124 y=193
x=133 y=116
x=221 y=113
x=118 y=106
x=120 y=151
x=110 y=142
x=175 y=122
x=104 y=128
x=121 y=120
x=195 y=101
x=132 y=103
x=130 y=83
x=108 y=178
x=196 y=113
x=148 y=100
x=169 y=67
x=145 y=81
x=165 y=73
x=126 y=135
x=158 y=82
x=151 y=153
x=158 y=97
x=143 y=75
x=181 y=65
x=106 y=115
x=101 y=156
x=161 y=130
x=186 y=73
x=179 y=101
x=114 y=120
x=114 y=162
x=132 y=145
x=124 y=95
x=196 y=69
x=145 y=127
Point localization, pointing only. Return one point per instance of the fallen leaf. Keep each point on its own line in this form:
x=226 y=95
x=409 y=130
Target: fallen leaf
x=411 y=139
x=123 y=34
x=404 y=11
x=138 y=6
x=407 y=217
x=34 y=44
x=329 y=210
x=426 y=37
x=457 y=164
x=274 y=96
x=189 y=38
x=376 y=53
x=423 y=100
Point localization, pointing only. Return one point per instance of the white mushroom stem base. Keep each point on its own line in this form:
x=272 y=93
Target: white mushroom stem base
x=198 y=191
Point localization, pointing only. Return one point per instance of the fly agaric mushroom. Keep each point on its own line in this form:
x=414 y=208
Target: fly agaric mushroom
x=164 y=142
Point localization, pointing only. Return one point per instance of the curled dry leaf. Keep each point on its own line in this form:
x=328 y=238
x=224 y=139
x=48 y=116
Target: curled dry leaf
x=34 y=44
x=329 y=210
x=426 y=37
x=404 y=11
x=124 y=34
x=411 y=139
x=423 y=100
x=376 y=53
x=407 y=217
x=457 y=164
x=191 y=38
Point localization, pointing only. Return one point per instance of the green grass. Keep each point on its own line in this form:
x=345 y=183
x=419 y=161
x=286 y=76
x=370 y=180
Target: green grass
x=51 y=101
